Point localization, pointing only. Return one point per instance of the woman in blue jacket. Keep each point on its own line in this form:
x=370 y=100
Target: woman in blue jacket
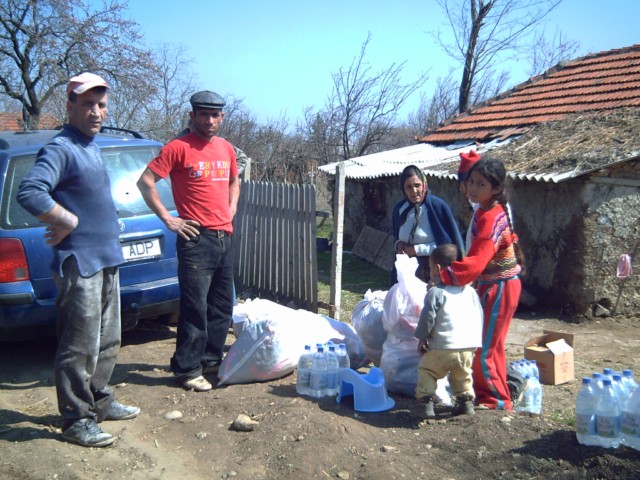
x=421 y=222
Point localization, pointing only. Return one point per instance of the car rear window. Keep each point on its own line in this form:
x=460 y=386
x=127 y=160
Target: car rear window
x=124 y=164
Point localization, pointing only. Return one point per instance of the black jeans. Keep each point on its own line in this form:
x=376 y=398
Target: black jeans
x=205 y=273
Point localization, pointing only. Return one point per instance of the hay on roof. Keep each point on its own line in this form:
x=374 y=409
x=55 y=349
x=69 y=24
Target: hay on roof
x=579 y=143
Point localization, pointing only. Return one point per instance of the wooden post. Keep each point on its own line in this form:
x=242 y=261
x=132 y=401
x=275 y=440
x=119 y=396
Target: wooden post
x=336 y=252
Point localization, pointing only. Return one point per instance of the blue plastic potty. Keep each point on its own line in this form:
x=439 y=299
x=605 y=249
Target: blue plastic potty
x=368 y=390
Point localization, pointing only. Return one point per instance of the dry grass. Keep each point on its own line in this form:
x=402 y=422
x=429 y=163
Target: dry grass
x=581 y=143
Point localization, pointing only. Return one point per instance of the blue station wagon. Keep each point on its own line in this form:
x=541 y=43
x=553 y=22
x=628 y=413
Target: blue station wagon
x=148 y=278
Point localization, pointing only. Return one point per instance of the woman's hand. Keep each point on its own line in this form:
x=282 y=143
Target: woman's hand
x=406 y=248
x=410 y=250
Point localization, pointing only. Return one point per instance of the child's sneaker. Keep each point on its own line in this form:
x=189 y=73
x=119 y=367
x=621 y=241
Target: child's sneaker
x=428 y=410
x=464 y=406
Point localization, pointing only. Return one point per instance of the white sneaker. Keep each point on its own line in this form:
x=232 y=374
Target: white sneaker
x=199 y=384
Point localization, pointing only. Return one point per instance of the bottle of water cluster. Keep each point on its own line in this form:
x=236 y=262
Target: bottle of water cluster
x=332 y=371
x=303 y=383
x=523 y=368
x=630 y=427
x=586 y=401
x=608 y=416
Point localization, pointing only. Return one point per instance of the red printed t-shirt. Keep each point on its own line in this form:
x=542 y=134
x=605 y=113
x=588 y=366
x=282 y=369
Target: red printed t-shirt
x=200 y=171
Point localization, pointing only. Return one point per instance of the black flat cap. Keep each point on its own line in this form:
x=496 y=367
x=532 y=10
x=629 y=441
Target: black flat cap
x=207 y=99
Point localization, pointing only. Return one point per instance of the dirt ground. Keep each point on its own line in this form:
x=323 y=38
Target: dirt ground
x=300 y=438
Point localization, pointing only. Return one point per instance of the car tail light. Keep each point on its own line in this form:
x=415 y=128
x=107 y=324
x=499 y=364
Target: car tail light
x=13 y=261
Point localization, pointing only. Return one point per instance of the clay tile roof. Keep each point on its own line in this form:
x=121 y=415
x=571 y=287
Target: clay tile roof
x=13 y=122
x=601 y=82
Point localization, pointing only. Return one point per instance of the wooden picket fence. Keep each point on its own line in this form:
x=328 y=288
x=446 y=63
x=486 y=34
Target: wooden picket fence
x=275 y=255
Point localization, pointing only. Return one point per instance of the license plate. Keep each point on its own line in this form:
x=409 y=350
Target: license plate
x=141 y=249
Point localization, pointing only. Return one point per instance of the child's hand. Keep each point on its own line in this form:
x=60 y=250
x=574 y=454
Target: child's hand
x=423 y=346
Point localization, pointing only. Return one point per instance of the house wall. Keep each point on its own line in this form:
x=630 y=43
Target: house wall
x=612 y=228
x=548 y=219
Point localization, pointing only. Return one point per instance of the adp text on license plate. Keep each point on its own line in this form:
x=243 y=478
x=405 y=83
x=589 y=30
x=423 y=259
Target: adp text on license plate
x=141 y=249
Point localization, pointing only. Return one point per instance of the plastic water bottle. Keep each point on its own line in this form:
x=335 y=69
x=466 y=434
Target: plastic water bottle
x=607 y=373
x=596 y=383
x=515 y=366
x=318 y=377
x=526 y=402
x=586 y=431
x=332 y=371
x=534 y=368
x=536 y=395
x=608 y=416
x=630 y=427
x=629 y=382
x=303 y=383
x=343 y=357
x=618 y=387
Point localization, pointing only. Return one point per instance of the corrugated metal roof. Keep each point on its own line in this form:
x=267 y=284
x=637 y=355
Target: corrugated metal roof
x=432 y=160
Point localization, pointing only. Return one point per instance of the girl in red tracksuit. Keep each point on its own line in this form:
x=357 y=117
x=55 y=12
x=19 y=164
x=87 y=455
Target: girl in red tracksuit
x=494 y=261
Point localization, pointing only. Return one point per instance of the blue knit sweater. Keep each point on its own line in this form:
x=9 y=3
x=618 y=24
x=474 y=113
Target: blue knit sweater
x=69 y=171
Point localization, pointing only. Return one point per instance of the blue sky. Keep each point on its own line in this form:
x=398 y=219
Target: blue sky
x=278 y=55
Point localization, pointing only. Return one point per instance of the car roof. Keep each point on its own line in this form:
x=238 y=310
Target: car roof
x=32 y=140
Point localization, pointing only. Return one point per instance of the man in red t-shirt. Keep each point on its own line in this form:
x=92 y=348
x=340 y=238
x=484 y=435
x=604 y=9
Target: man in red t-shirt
x=204 y=180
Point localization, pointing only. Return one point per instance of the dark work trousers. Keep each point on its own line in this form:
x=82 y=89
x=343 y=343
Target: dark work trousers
x=88 y=330
x=205 y=273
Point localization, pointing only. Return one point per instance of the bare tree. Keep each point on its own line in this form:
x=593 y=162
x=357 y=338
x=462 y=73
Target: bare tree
x=43 y=42
x=486 y=33
x=545 y=53
x=165 y=112
x=441 y=105
x=362 y=109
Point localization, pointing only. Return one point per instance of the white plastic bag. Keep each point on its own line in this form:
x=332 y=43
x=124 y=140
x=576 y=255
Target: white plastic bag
x=401 y=313
x=366 y=318
x=272 y=337
x=404 y=300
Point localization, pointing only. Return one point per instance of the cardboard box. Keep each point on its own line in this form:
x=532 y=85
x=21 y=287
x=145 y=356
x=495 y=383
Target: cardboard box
x=553 y=352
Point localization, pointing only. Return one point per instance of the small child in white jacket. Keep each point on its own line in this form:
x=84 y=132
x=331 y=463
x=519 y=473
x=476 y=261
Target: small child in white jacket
x=449 y=331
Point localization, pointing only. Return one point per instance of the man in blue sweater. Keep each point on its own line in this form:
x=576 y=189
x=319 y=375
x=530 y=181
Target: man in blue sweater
x=68 y=189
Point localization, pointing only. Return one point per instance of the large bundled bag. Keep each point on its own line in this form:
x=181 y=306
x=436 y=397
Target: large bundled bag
x=270 y=339
x=366 y=318
x=401 y=314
